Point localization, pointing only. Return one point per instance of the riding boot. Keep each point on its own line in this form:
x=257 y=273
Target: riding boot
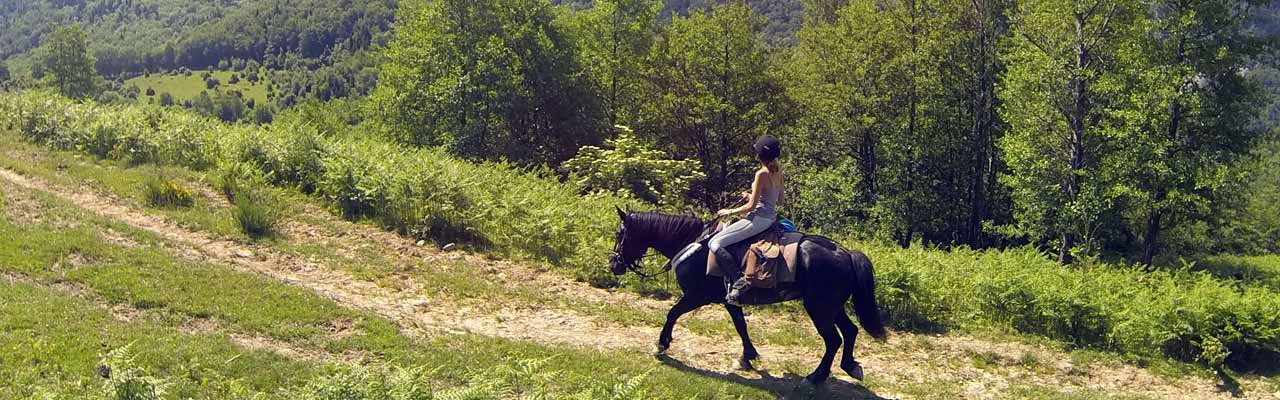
x=733 y=279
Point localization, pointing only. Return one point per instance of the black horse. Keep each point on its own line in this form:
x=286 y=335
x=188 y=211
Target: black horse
x=827 y=276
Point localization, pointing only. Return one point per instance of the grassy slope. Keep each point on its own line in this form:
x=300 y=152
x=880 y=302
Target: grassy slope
x=58 y=354
x=184 y=87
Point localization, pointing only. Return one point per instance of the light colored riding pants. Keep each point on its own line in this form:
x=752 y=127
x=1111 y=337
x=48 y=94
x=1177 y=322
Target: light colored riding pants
x=739 y=231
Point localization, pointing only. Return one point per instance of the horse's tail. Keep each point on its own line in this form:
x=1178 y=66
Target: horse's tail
x=864 y=294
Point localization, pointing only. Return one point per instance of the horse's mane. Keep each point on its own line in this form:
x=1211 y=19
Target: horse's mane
x=661 y=226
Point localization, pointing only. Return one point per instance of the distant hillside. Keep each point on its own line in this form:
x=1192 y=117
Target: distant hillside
x=131 y=36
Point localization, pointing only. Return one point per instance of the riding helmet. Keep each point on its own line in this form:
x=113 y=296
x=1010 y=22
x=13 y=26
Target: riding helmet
x=768 y=147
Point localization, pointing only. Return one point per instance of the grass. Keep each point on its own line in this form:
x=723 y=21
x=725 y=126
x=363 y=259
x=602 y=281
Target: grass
x=147 y=277
x=184 y=87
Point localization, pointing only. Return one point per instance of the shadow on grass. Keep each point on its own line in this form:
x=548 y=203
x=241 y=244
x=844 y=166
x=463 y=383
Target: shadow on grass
x=787 y=386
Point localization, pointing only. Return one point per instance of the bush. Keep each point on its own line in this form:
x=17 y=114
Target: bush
x=255 y=212
x=632 y=169
x=161 y=191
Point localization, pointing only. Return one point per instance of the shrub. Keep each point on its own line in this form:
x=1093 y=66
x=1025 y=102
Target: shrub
x=161 y=191
x=631 y=168
x=255 y=212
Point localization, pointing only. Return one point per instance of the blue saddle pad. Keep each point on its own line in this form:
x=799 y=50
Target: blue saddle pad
x=787 y=225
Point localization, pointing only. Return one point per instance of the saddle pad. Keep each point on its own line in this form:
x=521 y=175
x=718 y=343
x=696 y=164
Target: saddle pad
x=790 y=243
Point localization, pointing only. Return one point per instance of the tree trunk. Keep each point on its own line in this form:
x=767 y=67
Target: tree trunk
x=1080 y=108
x=1151 y=239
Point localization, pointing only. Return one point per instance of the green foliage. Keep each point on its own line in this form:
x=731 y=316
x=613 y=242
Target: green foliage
x=525 y=378
x=874 y=109
x=614 y=38
x=255 y=209
x=67 y=61
x=421 y=192
x=125 y=380
x=1189 y=316
x=1059 y=103
x=632 y=169
x=488 y=79
x=713 y=92
x=161 y=191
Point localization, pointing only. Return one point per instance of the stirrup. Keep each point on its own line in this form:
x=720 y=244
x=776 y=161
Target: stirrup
x=732 y=298
x=736 y=290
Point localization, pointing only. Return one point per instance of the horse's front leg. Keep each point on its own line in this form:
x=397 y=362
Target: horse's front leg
x=685 y=305
x=740 y=323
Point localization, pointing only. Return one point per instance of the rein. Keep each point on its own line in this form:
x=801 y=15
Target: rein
x=634 y=266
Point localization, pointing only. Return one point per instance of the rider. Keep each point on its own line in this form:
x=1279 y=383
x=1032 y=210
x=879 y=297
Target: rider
x=762 y=201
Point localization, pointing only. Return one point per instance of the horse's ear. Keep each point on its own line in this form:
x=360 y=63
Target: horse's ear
x=621 y=214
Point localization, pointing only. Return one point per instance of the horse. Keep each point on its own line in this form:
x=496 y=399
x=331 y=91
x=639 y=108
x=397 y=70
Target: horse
x=827 y=276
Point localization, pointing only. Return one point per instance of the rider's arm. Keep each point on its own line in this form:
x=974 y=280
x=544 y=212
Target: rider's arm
x=752 y=199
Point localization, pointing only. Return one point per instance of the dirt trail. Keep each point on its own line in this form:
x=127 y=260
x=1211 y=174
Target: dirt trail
x=904 y=360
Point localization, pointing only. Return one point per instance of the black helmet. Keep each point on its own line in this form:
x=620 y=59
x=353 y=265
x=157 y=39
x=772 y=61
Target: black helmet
x=768 y=148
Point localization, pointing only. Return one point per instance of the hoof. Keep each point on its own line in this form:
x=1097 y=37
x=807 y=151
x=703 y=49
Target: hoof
x=659 y=349
x=743 y=364
x=853 y=369
x=752 y=356
x=817 y=378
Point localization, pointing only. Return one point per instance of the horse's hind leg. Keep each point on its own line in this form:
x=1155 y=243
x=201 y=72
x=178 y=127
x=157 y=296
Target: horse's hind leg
x=740 y=323
x=850 y=333
x=685 y=305
x=823 y=317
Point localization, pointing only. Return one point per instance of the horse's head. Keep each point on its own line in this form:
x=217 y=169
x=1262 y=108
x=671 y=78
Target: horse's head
x=626 y=249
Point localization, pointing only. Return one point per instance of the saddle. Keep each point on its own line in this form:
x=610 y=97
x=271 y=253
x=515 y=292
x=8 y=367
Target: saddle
x=767 y=259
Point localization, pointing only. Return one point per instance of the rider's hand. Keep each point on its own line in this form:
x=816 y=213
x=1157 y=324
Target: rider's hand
x=724 y=213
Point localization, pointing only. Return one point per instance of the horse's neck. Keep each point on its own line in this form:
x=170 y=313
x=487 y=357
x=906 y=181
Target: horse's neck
x=670 y=243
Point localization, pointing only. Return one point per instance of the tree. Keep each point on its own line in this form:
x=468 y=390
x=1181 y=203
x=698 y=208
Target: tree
x=614 y=38
x=166 y=99
x=1188 y=117
x=211 y=83
x=713 y=92
x=150 y=91
x=67 y=60
x=230 y=107
x=4 y=72
x=204 y=104
x=234 y=79
x=263 y=115
x=489 y=79
x=1062 y=77
x=886 y=92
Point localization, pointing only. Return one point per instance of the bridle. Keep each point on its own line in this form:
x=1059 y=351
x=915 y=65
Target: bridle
x=634 y=265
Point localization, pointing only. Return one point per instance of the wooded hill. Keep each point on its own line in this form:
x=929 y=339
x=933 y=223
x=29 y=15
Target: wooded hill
x=132 y=36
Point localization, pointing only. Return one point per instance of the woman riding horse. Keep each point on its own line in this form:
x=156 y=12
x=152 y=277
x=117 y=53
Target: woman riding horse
x=827 y=277
x=762 y=202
